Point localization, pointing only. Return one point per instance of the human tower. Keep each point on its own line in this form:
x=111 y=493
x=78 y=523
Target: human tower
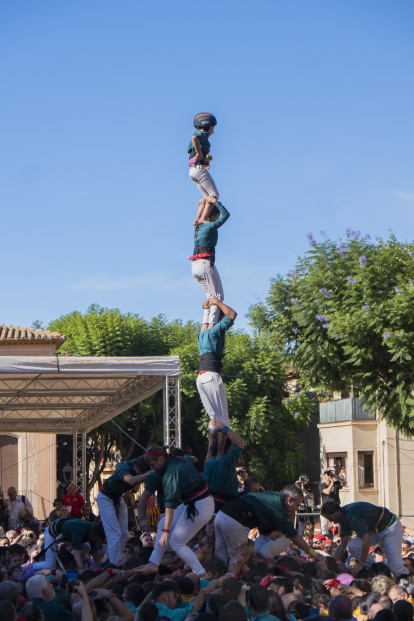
x=217 y=317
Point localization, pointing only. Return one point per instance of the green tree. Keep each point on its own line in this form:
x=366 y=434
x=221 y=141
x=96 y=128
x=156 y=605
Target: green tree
x=345 y=316
x=254 y=374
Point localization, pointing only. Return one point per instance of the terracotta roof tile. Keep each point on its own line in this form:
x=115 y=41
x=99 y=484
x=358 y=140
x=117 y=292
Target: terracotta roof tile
x=16 y=334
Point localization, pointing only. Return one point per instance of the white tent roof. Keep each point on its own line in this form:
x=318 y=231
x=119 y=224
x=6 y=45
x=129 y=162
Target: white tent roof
x=64 y=394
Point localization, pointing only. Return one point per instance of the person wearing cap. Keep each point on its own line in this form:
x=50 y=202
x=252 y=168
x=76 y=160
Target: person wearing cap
x=372 y=525
x=318 y=540
x=328 y=546
x=112 y=507
x=329 y=490
x=199 y=162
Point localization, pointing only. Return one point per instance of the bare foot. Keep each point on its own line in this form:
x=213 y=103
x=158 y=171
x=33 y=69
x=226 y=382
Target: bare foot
x=196 y=222
x=203 y=221
x=149 y=568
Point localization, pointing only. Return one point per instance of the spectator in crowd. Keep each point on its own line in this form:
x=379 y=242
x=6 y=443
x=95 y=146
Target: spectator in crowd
x=409 y=565
x=74 y=501
x=87 y=515
x=55 y=513
x=27 y=521
x=307 y=505
x=258 y=603
x=329 y=490
x=147 y=541
x=3 y=510
x=15 y=503
x=397 y=593
x=242 y=474
x=340 y=608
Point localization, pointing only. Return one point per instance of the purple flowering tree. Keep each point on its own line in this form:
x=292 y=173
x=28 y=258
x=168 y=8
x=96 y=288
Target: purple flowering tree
x=354 y=324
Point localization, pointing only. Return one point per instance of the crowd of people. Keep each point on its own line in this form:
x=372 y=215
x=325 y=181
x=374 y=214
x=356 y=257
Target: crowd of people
x=224 y=549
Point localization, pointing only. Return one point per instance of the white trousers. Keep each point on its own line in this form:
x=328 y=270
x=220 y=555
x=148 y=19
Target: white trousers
x=324 y=525
x=204 y=181
x=208 y=278
x=116 y=526
x=391 y=538
x=230 y=536
x=213 y=395
x=49 y=561
x=269 y=548
x=182 y=530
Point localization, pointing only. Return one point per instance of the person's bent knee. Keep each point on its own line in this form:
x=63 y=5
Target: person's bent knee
x=212 y=198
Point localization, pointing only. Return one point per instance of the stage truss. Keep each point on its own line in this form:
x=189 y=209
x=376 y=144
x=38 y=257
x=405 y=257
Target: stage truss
x=74 y=395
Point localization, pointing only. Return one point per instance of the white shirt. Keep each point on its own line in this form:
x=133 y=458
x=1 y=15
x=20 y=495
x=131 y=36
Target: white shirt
x=14 y=508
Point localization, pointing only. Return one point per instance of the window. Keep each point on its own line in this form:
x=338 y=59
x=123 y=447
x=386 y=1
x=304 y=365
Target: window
x=337 y=461
x=365 y=469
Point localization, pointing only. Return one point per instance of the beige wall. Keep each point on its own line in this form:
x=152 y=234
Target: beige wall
x=350 y=437
x=36 y=451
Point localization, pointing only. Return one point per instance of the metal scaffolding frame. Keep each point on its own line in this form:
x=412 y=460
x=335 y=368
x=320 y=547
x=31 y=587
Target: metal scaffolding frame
x=74 y=395
x=172 y=412
x=79 y=461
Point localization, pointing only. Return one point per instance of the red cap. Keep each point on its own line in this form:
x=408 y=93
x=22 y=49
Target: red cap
x=320 y=537
x=327 y=541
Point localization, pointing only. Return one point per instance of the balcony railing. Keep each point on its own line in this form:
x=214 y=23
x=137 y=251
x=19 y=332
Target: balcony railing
x=343 y=410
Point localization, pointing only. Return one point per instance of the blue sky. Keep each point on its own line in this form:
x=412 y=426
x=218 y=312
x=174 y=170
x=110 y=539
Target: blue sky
x=314 y=102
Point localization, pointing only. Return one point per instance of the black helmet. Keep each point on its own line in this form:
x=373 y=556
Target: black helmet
x=204 y=120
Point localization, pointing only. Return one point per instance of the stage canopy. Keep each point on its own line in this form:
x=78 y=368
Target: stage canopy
x=74 y=394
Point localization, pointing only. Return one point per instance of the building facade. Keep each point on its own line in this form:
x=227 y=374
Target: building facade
x=28 y=460
x=378 y=460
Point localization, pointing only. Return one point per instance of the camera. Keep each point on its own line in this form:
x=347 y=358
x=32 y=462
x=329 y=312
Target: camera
x=304 y=478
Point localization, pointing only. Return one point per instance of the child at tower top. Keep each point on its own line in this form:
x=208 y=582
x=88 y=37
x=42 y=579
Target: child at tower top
x=199 y=152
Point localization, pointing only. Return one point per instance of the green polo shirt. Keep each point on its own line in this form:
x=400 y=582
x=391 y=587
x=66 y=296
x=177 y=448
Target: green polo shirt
x=271 y=512
x=207 y=233
x=179 y=478
x=212 y=341
x=221 y=475
x=51 y=611
x=204 y=143
x=115 y=482
x=79 y=532
x=361 y=517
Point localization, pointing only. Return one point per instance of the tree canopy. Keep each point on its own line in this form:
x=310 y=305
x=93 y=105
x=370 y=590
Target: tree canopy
x=260 y=407
x=345 y=316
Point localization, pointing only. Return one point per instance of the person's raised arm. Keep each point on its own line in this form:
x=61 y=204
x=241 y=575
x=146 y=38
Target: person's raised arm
x=328 y=489
x=86 y=612
x=232 y=435
x=133 y=481
x=213 y=301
